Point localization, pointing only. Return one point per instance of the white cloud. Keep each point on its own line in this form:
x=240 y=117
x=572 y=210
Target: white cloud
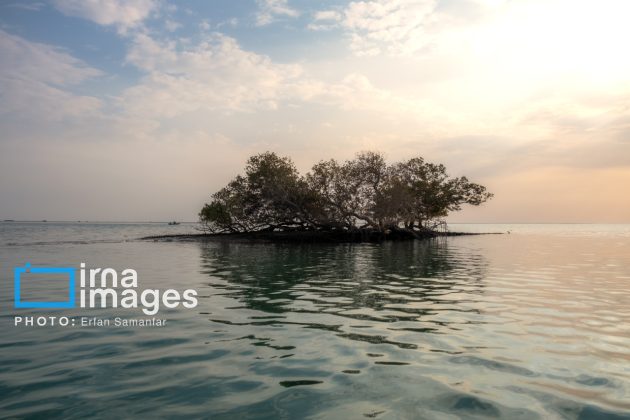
x=233 y=22
x=218 y=75
x=320 y=27
x=205 y=25
x=124 y=14
x=501 y=93
x=325 y=20
x=393 y=26
x=23 y=59
x=327 y=15
x=270 y=10
x=399 y=27
x=214 y=75
x=34 y=79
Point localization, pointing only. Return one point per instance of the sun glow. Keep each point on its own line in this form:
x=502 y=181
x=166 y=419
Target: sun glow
x=560 y=39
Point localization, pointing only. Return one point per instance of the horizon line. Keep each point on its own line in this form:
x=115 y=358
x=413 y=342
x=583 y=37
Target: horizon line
x=196 y=222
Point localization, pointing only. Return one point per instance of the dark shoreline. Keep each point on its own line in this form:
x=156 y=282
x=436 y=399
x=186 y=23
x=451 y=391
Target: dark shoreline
x=307 y=237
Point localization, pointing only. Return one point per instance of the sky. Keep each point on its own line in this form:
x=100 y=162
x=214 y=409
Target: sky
x=139 y=110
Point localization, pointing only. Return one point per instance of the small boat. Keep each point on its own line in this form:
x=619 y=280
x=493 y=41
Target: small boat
x=173 y=223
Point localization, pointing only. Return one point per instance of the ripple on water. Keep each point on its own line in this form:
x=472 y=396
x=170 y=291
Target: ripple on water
x=514 y=327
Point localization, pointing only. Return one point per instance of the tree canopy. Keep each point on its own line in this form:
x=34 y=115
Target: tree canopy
x=364 y=193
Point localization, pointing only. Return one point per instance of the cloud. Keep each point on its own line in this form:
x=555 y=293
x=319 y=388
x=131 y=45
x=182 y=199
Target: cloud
x=374 y=27
x=171 y=25
x=391 y=25
x=216 y=74
x=325 y=20
x=219 y=75
x=206 y=26
x=493 y=107
x=270 y=10
x=124 y=14
x=34 y=80
x=33 y=7
x=327 y=15
x=400 y=27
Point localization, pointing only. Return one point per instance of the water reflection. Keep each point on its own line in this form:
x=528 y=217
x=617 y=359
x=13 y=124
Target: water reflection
x=405 y=281
x=505 y=326
x=468 y=327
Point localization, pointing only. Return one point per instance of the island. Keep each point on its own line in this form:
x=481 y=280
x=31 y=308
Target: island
x=361 y=199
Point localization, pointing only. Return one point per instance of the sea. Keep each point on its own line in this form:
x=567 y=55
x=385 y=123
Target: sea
x=530 y=322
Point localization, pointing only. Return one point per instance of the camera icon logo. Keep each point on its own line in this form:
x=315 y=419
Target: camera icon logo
x=18 y=273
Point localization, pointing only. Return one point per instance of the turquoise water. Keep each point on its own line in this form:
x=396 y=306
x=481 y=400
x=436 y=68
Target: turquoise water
x=534 y=324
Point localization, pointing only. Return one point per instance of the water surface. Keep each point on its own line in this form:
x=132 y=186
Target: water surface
x=534 y=324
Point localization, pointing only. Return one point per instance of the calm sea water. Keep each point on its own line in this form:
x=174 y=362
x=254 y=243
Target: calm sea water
x=534 y=324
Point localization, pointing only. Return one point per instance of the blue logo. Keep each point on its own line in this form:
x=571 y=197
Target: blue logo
x=19 y=303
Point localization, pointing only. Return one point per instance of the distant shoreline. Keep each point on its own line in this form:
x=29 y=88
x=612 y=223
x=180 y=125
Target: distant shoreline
x=308 y=237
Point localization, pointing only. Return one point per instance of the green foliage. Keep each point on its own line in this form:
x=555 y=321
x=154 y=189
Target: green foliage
x=363 y=193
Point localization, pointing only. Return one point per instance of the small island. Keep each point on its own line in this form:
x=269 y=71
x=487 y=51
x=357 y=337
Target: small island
x=359 y=200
